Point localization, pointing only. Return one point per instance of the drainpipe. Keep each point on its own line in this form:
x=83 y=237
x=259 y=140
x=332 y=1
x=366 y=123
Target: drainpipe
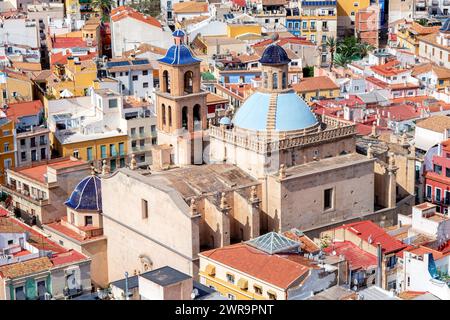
x=379 y=267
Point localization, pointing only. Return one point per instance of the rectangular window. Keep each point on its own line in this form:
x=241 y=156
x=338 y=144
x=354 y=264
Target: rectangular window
x=75 y=154
x=112 y=164
x=141 y=131
x=23 y=156
x=328 y=199
x=19 y=293
x=112 y=150
x=231 y=296
x=43 y=154
x=437 y=194
x=447 y=172
x=272 y=296
x=88 y=220
x=42 y=140
x=121 y=149
x=145 y=85
x=89 y=153
x=144 y=208
x=33 y=155
x=258 y=289
x=22 y=142
x=428 y=192
x=230 y=278
x=33 y=142
x=134 y=78
x=133 y=131
x=142 y=143
x=122 y=162
x=446 y=197
x=145 y=72
x=112 y=103
x=6 y=147
x=103 y=151
x=7 y=163
x=437 y=169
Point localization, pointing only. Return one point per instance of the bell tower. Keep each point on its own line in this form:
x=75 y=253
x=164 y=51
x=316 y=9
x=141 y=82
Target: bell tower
x=180 y=106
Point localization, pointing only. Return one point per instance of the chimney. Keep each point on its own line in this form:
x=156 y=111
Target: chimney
x=379 y=265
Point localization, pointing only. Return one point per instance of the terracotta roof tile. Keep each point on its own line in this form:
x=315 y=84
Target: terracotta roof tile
x=122 y=12
x=435 y=123
x=190 y=7
x=315 y=83
x=367 y=229
x=273 y=269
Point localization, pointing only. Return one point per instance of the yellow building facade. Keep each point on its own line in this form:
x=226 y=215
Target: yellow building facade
x=15 y=88
x=346 y=14
x=7 y=151
x=77 y=77
x=113 y=149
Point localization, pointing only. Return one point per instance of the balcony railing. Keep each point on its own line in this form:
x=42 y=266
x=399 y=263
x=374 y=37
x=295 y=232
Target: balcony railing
x=25 y=195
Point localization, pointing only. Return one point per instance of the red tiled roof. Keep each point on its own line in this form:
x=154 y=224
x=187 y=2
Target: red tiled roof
x=273 y=269
x=70 y=42
x=67 y=257
x=315 y=83
x=122 y=12
x=240 y=3
x=357 y=258
x=22 y=109
x=390 y=68
x=363 y=129
x=367 y=229
x=60 y=58
x=38 y=171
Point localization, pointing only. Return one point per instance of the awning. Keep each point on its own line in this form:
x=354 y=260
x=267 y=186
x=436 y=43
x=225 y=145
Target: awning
x=210 y=270
x=243 y=284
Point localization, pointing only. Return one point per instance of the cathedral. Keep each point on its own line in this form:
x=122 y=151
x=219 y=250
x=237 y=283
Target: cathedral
x=271 y=166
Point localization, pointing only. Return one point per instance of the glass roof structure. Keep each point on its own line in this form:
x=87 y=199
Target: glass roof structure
x=273 y=242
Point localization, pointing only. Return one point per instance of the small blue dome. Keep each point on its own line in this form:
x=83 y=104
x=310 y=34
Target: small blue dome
x=274 y=54
x=291 y=113
x=225 y=121
x=87 y=195
x=446 y=26
x=178 y=55
x=178 y=33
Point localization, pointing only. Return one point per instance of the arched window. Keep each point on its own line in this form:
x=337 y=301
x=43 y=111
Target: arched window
x=163 y=113
x=265 y=80
x=188 y=82
x=274 y=80
x=184 y=118
x=166 y=81
x=284 y=81
x=169 y=109
x=197 y=117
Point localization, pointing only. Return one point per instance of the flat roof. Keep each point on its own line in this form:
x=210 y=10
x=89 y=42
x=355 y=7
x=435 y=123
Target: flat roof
x=165 y=276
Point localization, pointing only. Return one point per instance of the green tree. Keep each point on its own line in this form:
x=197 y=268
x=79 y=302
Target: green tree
x=331 y=47
x=423 y=22
x=341 y=60
x=104 y=6
x=148 y=7
x=364 y=48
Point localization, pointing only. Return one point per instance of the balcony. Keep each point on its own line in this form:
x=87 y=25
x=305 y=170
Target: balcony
x=24 y=194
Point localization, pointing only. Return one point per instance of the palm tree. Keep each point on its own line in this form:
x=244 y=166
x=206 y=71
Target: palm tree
x=104 y=6
x=331 y=46
x=364 y=48
x=341 y=60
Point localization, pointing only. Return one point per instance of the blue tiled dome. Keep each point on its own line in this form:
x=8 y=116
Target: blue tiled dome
x=178 y=33
x=291 y=113
x=446 y=26
x=274 y=54
x=87 y=195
